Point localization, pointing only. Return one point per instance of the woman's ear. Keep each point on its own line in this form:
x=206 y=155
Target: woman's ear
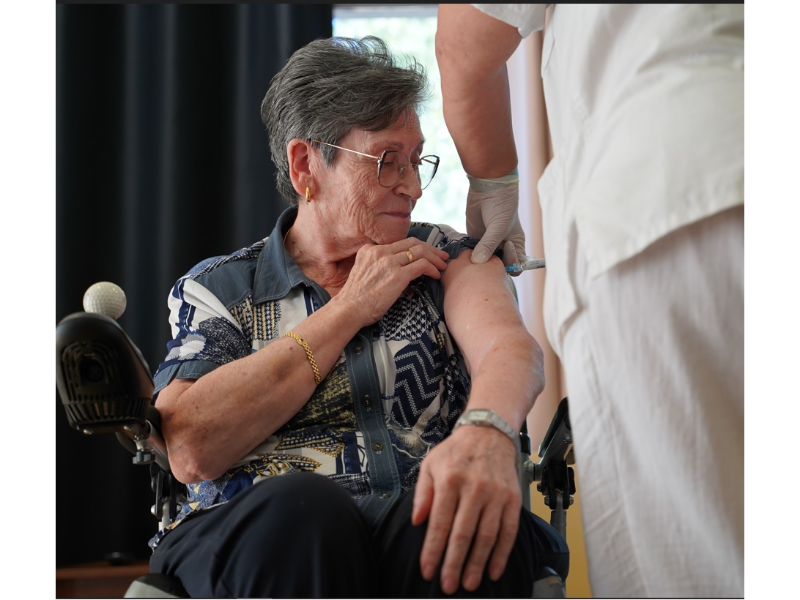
x=299 y=155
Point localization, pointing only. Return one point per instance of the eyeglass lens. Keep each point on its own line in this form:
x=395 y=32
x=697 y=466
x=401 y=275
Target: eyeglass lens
x=394 y=165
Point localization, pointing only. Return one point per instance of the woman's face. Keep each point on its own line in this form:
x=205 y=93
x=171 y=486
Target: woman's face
x=353 y=201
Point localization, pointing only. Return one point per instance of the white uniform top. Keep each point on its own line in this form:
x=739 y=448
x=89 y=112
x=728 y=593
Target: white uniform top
x=646 y=112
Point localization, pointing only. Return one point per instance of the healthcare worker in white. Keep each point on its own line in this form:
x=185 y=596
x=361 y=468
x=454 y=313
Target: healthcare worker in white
x=643 y=224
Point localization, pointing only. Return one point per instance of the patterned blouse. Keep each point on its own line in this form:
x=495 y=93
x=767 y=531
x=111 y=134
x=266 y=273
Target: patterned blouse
x=395 y=392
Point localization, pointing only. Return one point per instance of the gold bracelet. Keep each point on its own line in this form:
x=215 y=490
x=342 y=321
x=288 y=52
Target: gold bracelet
x=304 y=344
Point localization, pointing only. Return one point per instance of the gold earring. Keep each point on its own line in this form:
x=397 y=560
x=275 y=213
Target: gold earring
x=308 y=195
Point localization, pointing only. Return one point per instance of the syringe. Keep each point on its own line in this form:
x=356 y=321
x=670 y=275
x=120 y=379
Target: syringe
x=527 y=263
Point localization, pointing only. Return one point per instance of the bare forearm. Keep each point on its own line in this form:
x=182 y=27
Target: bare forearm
x=505 y=361
x=472 y=50
x=215 y=421
x=509 y=377
x=481 y=125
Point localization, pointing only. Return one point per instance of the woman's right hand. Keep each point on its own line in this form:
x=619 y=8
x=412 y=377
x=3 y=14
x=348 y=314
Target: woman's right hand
x=381 y=273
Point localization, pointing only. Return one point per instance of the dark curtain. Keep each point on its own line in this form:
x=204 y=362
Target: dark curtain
x=162 y=161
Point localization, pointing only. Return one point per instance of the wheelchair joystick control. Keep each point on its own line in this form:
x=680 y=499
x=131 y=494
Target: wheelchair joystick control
x=103 y=380
x=105 y=386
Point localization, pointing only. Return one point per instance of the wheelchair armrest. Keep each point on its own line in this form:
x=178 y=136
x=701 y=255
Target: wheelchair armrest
x=105 y=386
x=556 y=446
x=557 y=442
x=557 y=480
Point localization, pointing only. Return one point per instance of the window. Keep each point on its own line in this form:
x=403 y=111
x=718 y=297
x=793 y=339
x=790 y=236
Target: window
x=409 y=29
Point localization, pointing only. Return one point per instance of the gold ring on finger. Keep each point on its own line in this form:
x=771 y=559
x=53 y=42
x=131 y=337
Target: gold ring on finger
x=410 y=256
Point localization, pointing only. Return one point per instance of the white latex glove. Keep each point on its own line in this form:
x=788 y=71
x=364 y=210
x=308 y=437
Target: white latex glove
x=492 y=217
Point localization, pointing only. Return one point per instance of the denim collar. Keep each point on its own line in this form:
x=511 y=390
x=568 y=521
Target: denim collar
x=276 y=272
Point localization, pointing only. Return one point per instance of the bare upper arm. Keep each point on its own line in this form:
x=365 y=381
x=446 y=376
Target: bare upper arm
x=480 y=43
x=472 y=49
x=478 y=304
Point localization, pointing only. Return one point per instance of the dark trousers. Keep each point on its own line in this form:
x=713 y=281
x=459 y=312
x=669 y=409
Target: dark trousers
x=303 y=536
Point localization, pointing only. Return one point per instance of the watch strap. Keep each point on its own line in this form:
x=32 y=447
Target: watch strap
x=483 y=417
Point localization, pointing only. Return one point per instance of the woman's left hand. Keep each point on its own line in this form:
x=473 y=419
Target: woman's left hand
x=468 y=491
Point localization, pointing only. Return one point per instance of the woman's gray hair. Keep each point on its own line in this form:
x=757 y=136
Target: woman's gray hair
x=332 y=86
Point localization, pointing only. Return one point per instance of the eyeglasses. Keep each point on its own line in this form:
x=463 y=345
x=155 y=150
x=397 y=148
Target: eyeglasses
x=393 y=164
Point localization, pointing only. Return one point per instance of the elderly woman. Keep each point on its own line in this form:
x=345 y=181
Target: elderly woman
x=333 y=363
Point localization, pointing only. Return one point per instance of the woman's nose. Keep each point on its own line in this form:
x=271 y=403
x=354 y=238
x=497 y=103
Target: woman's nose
x=409 y=183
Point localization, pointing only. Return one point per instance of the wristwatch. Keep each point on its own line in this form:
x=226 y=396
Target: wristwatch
x=483 y=417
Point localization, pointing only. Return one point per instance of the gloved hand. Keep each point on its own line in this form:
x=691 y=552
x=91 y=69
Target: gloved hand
x=492 y=217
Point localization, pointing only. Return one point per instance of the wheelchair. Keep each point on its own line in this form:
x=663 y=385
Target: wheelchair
x=106 y=386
